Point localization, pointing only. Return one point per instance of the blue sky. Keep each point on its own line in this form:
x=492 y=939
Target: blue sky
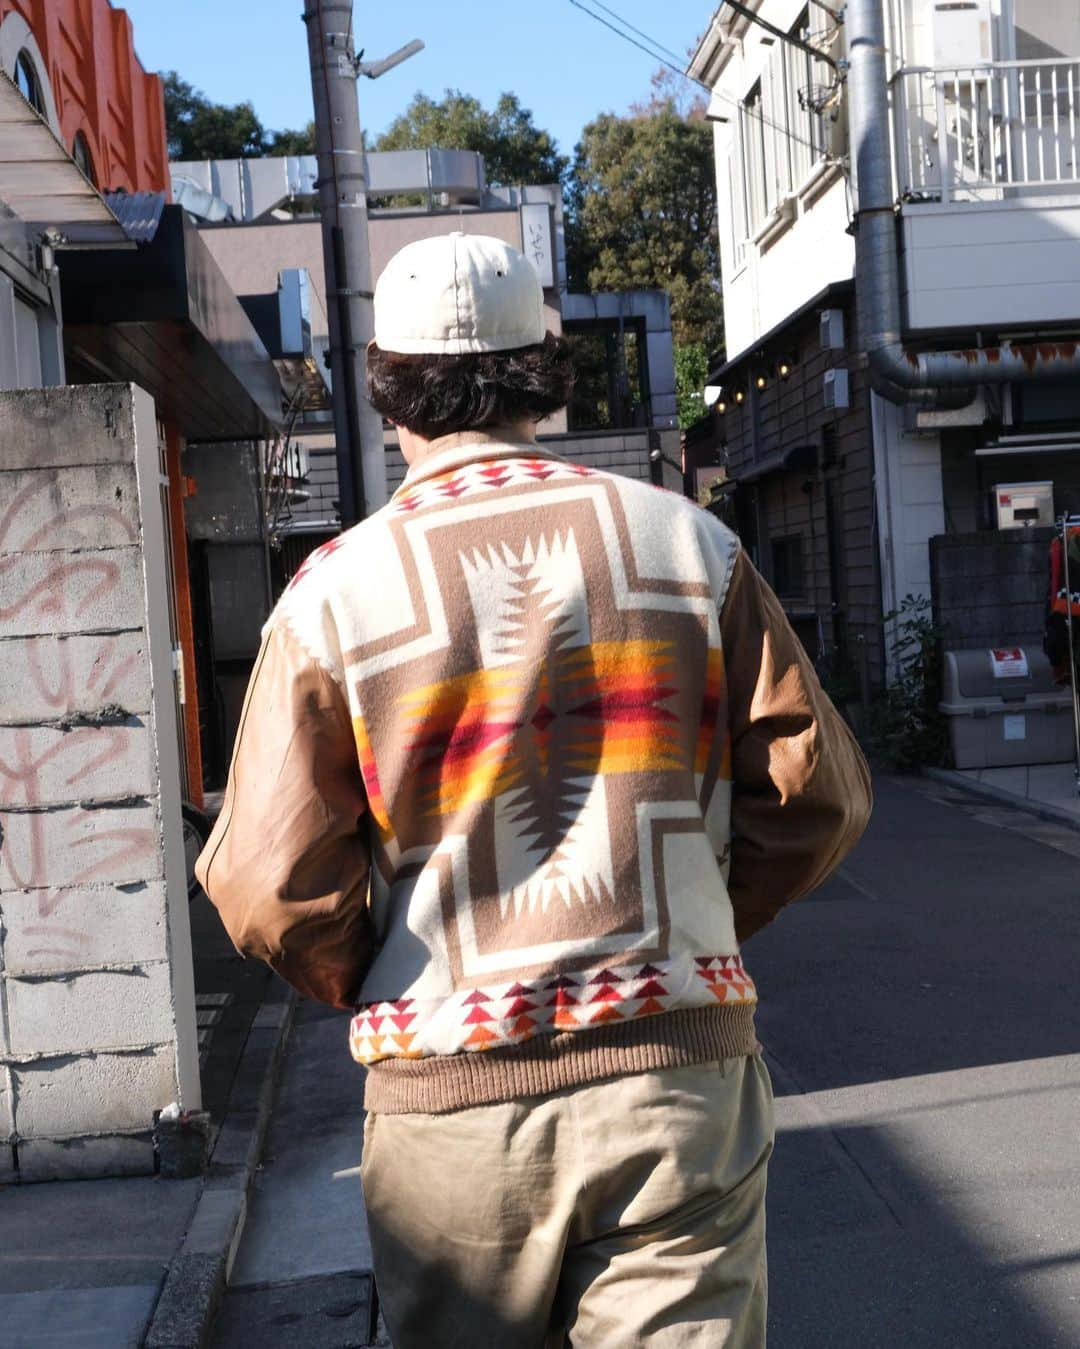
x=561 y=64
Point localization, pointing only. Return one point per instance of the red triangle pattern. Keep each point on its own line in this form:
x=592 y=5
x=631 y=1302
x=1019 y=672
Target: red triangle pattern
x=567 y=1002
x=472 y=479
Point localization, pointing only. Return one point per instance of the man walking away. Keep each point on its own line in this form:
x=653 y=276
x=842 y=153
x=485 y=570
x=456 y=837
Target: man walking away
x=526 y=756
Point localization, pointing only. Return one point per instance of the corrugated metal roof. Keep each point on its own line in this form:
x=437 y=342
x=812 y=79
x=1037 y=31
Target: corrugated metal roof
x=139 y=213
x=41 y=182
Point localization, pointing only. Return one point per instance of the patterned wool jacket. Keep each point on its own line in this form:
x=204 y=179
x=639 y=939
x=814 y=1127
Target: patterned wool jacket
x=524 y=756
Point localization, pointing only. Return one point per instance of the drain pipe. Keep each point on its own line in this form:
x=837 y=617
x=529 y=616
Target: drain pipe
x=900 y=375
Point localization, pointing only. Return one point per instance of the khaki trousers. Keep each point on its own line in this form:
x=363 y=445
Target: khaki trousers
x=628 y=1212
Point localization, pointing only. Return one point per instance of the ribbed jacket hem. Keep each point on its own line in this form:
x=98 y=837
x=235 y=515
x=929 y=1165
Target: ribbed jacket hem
x=546 y=1064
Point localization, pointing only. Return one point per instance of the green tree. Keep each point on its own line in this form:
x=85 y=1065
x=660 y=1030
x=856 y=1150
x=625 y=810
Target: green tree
x=197 y=128
x=515 y=150
x=292 y=142
x=642 y=213
x=691 y=369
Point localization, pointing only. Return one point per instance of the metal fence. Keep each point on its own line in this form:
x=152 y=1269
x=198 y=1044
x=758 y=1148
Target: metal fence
x=977 y=132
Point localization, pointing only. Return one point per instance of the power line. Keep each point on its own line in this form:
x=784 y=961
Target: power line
x=627 y=24
x=649 y=51
x=654 y=50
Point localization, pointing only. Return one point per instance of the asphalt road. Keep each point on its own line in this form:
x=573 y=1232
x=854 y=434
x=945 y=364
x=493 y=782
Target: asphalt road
x=920 y=1016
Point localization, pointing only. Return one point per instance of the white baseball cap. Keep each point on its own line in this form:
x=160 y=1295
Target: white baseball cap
x=456 y=293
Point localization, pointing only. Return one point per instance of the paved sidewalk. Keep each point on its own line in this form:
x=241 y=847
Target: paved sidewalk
x=82 y=1263
x=301 y=1274
x=1049 y=790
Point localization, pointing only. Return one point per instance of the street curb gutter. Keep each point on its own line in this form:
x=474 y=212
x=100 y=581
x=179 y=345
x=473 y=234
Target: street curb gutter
x=200 y=1270
x=1040 y=810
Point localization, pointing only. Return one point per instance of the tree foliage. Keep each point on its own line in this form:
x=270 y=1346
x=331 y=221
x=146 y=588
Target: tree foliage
x=515 y=150
x=197 y=128
x=642 y=213
x=691 y=369
x=292 y=142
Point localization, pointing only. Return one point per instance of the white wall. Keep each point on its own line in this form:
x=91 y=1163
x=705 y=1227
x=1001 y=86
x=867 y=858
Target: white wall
x=766 y=281
x=910 y=502
x=813 y=252
x=992 y=264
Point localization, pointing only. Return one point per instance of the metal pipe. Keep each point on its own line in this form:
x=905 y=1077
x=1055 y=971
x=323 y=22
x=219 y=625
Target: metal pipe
x=343 y=211
x=902 y=376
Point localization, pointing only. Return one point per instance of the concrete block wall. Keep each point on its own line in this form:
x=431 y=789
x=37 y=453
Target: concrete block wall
x=97 y=1016
x=990 y=588
x=622 y=452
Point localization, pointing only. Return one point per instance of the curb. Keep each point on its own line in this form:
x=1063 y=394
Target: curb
x=1040 y=810
x=200 y=1270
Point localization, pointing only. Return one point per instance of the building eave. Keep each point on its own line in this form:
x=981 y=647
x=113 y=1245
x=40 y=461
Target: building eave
x=43 y=186
x=834 y=291
x=717 y=44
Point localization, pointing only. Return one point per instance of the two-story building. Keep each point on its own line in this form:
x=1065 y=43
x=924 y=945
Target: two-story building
x=899 y=198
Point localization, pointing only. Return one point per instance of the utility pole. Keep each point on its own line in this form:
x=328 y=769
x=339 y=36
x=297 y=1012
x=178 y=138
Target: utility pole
x=339 y=146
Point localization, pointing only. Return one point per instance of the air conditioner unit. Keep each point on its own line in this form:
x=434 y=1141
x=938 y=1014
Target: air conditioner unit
x=836 y=389
x=832 y=330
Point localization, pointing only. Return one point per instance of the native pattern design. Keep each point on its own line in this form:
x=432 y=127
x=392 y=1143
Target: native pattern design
x=489 y=1018
x=540 y=723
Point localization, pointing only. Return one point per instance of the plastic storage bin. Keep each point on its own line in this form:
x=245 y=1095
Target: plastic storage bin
x=1004 y=708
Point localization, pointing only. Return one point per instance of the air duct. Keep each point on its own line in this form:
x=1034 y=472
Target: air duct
x=900 y=375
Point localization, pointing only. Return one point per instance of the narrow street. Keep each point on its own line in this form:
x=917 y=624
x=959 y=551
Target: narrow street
x=919 y=1015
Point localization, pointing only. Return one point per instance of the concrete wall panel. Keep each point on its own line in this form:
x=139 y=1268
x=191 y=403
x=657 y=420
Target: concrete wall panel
x=47 y=766
x=7 y=1128
x=66 y=427
x=62 y=930
x=104 y=1009
x=42 y=1159
x=103 y=1093
x=94 y=507
x=57 y=849
x=7 y=1118
x=70 y=592
x=43 y=679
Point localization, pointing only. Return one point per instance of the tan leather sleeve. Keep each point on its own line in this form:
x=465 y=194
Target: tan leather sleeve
x=801 y=795
x=288 y=861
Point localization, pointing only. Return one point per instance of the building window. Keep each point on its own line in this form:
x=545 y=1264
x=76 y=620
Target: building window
x=29 y=83
x=789 y=578
x=753 y=144
x=80 y=153
x=808 y=84
x=781 y=135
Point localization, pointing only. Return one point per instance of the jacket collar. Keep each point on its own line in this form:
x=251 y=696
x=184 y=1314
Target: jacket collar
x=470 y=447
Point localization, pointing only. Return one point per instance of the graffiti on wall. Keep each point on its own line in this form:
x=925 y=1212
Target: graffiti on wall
x=65 y=817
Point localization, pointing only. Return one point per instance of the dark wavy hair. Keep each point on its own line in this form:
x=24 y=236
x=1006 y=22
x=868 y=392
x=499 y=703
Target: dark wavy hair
x=436 y=395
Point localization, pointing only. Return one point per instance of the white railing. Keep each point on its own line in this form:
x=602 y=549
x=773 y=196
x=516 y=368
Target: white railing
x=973 y=133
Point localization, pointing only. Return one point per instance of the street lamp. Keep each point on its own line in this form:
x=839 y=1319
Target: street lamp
x=373 y=69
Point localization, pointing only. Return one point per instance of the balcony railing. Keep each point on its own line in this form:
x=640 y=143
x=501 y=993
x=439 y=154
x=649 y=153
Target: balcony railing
x=985 y=132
